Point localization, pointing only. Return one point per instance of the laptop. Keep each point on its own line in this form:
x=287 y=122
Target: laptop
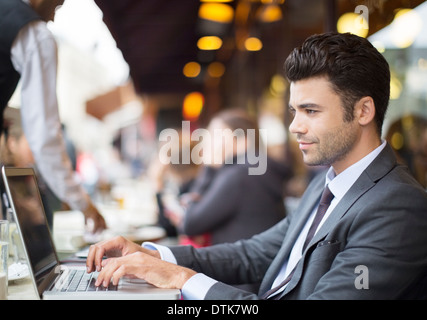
x=54 y=280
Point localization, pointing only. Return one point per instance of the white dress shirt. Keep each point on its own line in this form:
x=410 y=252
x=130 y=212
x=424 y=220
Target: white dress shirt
x=34 y=56
x=198 y=285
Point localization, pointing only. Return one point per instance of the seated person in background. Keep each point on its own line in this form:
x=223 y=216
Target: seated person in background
x=365 y=238
x=171 y=181
x=225 y=201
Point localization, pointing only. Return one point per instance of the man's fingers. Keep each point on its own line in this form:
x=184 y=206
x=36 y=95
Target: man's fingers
x=116 y=268
x=94 y=258
x=113 y=270
x=113 y=247
x=118 y=274
x=99 y=255
x=90 y=260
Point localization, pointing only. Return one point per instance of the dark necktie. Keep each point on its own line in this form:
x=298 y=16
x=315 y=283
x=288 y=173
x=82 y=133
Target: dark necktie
x=324 y=203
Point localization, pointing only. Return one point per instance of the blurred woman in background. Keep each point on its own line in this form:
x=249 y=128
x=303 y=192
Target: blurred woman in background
x=225 y=201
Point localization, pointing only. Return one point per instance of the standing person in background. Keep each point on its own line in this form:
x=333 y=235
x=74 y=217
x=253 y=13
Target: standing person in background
x=28 y=53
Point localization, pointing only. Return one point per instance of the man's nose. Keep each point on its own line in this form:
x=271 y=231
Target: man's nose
x=297 y=125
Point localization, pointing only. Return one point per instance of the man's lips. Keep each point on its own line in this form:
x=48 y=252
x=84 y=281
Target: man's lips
x=304 y=145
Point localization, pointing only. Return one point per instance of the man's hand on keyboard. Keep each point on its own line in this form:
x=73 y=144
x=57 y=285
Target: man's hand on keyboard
x=140 y=265
x=116 y=247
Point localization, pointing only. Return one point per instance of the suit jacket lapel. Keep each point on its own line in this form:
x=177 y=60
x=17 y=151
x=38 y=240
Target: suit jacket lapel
x=383 y=164
x=308 y=201
x=375 y=171
x=362 y=185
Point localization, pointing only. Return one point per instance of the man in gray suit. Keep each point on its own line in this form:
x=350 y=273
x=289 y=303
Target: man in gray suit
x=370 y=241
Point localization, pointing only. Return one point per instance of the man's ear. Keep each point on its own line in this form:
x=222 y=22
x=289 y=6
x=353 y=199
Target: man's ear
x=365 y=110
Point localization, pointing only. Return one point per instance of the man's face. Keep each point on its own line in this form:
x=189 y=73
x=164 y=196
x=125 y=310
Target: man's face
x=324 y=137
x=46 y=8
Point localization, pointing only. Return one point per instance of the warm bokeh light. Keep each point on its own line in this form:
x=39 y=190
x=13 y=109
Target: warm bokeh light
x=216 y=69
x=223 y=1
x=397 y=141
x=218 y=12
x=353 y=23
x=278 y=85
x=192 y=105
x=395 y=87
x=253 y=44
x=191 y=69
x=209 y=43
x=272 y=1
x=406 y=26
x=270 y=13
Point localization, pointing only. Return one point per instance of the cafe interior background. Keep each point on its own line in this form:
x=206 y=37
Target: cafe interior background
x=129 y=69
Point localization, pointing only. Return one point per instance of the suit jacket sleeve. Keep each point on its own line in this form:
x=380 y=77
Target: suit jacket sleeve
x=245 y=261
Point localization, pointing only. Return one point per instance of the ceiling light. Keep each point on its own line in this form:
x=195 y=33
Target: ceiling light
x=218 y=12
x=253 y=44
x=193 y=105
x=216 y=1
x=209 y=43
x=191 y=69
x=270 y=13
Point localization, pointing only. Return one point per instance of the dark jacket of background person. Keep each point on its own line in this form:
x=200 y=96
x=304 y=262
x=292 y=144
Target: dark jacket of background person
x=162 y=219
x=17 y=15
x=234 y=205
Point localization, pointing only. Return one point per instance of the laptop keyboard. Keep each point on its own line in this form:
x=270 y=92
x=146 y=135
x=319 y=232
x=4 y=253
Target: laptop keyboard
x=80 y=281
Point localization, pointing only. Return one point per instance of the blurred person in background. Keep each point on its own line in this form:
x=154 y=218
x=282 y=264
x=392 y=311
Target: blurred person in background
x=28 y=53
x=225 y=201
x=408 y=138
x=171 y=181
x=15 y=152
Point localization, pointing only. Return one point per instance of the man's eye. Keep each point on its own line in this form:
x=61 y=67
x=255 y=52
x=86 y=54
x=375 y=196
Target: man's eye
x=309 y=111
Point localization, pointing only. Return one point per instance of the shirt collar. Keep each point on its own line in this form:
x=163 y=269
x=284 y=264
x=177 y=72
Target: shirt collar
x=340 y=184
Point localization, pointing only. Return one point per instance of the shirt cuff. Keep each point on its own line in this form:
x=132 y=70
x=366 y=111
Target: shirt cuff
x=197 y=287
x=165 y=253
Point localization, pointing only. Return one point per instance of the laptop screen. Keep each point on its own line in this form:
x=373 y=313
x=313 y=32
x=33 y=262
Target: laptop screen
x=32 y=222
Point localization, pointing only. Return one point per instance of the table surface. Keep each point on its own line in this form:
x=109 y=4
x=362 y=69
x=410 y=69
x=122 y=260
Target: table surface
x=22 y=290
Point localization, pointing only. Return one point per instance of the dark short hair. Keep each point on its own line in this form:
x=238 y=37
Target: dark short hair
x=351 y=63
